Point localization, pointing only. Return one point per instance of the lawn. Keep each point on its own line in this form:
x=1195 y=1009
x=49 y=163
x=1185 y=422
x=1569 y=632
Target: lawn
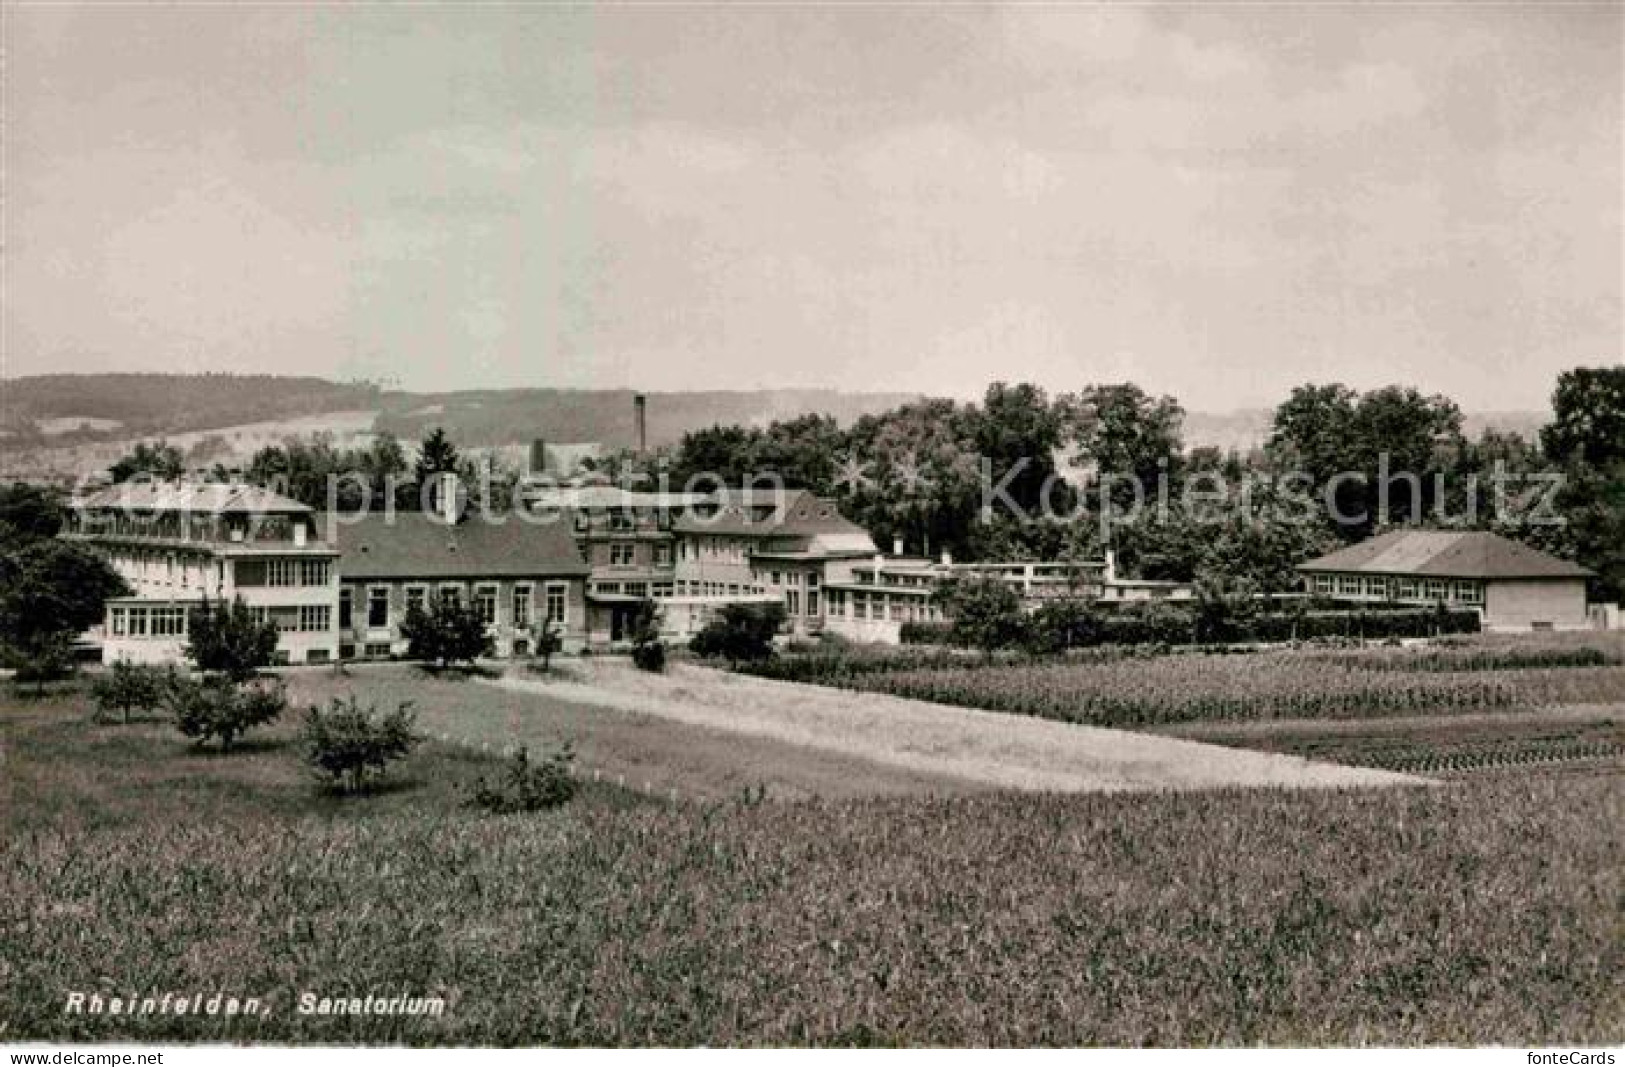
x=1485 y=910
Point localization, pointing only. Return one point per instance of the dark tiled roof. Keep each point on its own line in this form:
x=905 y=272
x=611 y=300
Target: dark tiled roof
x=792 y=513
x=1446 y=554
x=413 y=545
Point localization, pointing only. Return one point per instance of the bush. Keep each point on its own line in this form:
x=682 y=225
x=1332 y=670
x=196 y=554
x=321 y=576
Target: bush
x=739 y=633
x=448 y=632
x=649 y=655
x=648 y=652
x=129 y=687
x=986 y=612
x=228 y=638
x=527 y=786
x=915 y=632
x=1059 y=625
x=214 y=708
x=548 y=643
x=347 y=742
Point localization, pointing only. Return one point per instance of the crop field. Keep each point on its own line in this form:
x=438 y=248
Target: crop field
x=1482 y=909
x=1481 y=912
x=1140 y=691
x=1489 y=652
x=1576 y=741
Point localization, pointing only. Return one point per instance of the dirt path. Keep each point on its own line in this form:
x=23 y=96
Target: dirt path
x=931 y=740
x=648 y=753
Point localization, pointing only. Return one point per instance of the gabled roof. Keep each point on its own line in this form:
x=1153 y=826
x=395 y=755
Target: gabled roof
x=797 y=514
x=201 y=498
x=416 y=545
x=1446 y=554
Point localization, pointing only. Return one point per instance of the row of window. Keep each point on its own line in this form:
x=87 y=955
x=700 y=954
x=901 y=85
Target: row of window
x=283 y=572
x=718 y=589
x=379 y=615
x=657 y=590
x=139 y=620
x=880 y=606
x=624 y=554
x=622 y=521
x=807 y=578
x=306 y=618
x=715 y=548
x=163 y=569
x=1458 y=590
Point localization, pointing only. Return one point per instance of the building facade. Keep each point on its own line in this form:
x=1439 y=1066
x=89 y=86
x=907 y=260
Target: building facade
x=520 y=575
x=626 y=539
x=769 y=546
x=177 y=544
x=1510 y=585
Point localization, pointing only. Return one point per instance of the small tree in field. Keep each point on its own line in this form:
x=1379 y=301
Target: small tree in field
x=985 y=611
x=528 y=785
x=216 y=709
x=228 y=639
x=348 y=743
x=448 y=632
x=739 y=633
x=129 y=687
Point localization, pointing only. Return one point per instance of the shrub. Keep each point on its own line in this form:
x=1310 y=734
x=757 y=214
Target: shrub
x=527 y=786
x=648 y=652
x=129 y=687
x=986 y=612
x=228 y=638
x=1059 y=625
x=448 y=632
x=739 y=633
x=649 y=655
x=347 y=742
x=916 y=632
x=548 y=643
x=214 y=708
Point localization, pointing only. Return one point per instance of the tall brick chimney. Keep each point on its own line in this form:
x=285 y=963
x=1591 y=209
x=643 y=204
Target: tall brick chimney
x=640 y=404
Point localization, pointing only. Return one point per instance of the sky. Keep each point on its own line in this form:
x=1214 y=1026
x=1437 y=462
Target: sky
x=1215 y=201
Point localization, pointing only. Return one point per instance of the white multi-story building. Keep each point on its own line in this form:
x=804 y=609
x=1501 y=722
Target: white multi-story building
x=177 y=544
x=769 y=546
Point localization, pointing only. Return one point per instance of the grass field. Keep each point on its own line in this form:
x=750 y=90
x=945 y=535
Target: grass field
x=1485 y=910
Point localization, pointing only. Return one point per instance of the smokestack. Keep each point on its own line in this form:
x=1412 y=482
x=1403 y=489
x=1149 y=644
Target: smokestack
x=640 y=404
x=538 y=456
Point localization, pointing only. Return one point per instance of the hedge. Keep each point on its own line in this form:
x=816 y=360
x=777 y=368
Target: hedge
x=1175 y=625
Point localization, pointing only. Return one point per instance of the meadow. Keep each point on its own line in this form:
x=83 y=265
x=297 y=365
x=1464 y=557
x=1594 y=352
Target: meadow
x=1484 y=909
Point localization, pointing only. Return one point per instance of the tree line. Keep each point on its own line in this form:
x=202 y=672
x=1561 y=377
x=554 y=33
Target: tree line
x=918 y=473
